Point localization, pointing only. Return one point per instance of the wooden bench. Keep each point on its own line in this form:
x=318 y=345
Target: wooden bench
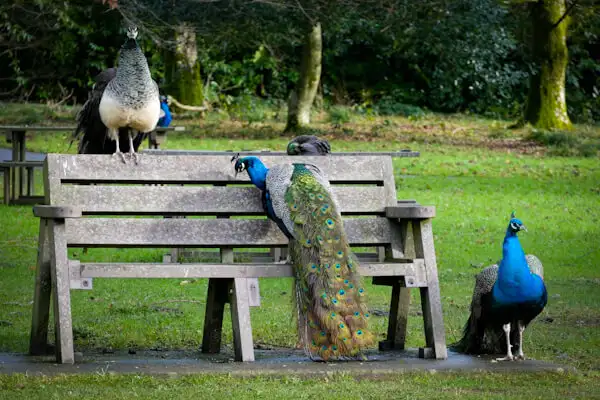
x=206 y=186
x=16 y=167
x=178 y=255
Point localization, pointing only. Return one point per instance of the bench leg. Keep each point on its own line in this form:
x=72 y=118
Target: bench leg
x=38 y=343
x=240 y=320
x=61 y=286
x=218 y=294
x=397 y=324
x=435 y=337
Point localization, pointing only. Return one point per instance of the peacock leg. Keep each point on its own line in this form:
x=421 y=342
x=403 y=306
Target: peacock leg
x=520 y=354
x=114 y=135
x=509 y=356
x=132 y=152
x=287 y=260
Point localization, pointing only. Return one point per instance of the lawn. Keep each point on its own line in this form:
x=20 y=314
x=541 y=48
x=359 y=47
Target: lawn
x=475 y=171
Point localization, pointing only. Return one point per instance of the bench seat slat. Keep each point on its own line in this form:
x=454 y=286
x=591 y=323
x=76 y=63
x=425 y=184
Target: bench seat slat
x=160 y=270
x=208 y=169
x=159 y=232
x=206 y=200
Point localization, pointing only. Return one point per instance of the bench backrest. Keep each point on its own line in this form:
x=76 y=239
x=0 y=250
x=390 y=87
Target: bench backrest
x=204 y=187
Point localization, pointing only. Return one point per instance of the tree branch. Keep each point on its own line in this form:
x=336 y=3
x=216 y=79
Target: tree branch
x=567 y=11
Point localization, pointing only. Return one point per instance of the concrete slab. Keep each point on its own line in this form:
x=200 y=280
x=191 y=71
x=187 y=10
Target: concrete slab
x=268 y=362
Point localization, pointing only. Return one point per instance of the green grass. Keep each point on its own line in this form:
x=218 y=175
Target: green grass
x=473 y=176
x=477 y=386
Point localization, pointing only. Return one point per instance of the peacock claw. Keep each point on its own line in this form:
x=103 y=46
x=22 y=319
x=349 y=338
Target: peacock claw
x=120 y=154
x=521 y=357
x=134 y=157
x=286 y=260
x=508 y=357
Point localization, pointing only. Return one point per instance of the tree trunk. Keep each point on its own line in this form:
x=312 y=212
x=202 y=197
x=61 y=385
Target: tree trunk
x=546 y=104
x=303 y=96
x=182 y=69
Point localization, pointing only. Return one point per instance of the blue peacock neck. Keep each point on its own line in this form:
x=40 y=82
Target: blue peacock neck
x=515 y=281
x=258 y=173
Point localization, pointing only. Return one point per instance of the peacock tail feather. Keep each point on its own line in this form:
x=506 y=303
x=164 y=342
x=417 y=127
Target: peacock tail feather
x=330 y=296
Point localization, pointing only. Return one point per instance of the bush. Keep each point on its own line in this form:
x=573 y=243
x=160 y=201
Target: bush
x=566 y=143
x=339 y=115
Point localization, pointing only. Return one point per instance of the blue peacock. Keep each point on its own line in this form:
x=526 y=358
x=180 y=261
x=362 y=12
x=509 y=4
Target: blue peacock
x=329 y=295
x=505 y=300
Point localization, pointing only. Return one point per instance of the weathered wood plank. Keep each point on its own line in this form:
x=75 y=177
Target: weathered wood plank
x=216 y=297
x=61 y=285
x=413 y=269
x=25 y=164
x=206 y=200
x=38 y=340
x=398 y=320
x=410 y=211
x=158 y=232
x=171 y=152
x=36 y=128
x=431 y=302
x=240 y=321
x=208 y=169
x=56 y=212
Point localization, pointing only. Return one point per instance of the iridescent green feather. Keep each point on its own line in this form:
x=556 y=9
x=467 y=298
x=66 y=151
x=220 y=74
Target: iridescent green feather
x=330 y=296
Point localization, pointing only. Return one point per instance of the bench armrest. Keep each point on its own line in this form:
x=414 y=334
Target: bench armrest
x=410 y=211
x=56 y=212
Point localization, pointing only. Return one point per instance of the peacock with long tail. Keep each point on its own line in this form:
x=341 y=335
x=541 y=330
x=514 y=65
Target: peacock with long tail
x=308 y=145
x=506 y=298
x=329 y=295
x=131 y=99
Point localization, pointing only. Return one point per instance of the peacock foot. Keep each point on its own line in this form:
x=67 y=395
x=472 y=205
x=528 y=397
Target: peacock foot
x=134 y=157
x=509 y=357
x=120 y=154
x=521 y=356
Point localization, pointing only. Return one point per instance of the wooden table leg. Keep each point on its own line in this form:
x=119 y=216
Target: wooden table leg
x=22 y=157
x=30 y=172
x=13 y=170
x=6 y=175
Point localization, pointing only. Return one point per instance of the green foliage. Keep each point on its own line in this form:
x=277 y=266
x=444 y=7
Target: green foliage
x=583 y=72
x=442 y=56
x=339 y=115
x=250 y=109
x=464 y=57
x=567 y=143
x=390 y=104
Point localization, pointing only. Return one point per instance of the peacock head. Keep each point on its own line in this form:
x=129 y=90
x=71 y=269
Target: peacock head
x=132 y=32
x=254 y=166
x=293 y=148
x=515 y=225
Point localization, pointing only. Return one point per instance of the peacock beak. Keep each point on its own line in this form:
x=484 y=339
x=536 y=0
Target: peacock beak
x=523 y=228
